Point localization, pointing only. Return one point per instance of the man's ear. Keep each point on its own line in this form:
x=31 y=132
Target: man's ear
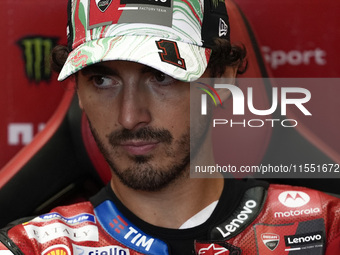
x=228 y=77
x=230 y=72
x=80 y=103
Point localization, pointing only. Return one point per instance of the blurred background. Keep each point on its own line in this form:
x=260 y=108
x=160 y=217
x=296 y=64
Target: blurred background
x=294 y=39
x=30 y=92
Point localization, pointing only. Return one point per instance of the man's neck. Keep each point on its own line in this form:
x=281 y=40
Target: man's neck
x=178 y=201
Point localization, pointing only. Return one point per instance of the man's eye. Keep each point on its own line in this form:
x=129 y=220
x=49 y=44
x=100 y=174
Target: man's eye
x=160 y=76
x=163 y=79
x=102 y=81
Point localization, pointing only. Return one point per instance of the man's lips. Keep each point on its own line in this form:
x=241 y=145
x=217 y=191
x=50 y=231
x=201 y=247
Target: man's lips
x=139 y=147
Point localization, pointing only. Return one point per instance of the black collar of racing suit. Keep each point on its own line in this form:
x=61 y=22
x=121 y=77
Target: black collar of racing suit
x=178 y=240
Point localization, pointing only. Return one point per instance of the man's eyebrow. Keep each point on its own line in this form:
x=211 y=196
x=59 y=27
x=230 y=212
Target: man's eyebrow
x=98 y=69
x=148 y=69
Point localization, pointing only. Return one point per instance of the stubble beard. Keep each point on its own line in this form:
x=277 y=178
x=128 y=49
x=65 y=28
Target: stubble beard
x=143 y=175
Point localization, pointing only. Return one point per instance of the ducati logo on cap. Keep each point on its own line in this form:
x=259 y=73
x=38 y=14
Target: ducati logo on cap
x=103 y=4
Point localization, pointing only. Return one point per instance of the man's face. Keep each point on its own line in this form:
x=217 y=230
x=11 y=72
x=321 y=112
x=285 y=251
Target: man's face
x=140 y=119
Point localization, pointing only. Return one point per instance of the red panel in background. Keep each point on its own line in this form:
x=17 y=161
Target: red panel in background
x=301 y=39
x=29 y=91
x=297 y=38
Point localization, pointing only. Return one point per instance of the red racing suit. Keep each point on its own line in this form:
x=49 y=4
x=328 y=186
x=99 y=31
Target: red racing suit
x=266 y=220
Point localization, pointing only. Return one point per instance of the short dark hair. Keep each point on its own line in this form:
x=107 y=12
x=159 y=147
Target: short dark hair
x=58 y=57
x=226 y=54
x=223 y=54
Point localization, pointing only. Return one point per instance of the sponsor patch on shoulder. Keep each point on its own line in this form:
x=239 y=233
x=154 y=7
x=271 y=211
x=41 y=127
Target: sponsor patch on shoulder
x=58 y=249
x=112 y=250
x=270 y=240
x=76 y=219
x=125 y=232
x=295 y=203
x=301 y=238
x=304 y=241
x=213 y=248
x=243 y=216
x=56 y=230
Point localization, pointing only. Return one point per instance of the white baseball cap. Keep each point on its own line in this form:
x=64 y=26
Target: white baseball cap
x=172 y=36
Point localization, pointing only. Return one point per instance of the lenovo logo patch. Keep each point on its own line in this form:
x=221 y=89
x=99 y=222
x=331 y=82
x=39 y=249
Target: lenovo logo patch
x=239 y=220
x=304 y=239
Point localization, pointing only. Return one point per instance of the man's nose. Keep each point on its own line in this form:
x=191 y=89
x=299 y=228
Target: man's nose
x=134 y=111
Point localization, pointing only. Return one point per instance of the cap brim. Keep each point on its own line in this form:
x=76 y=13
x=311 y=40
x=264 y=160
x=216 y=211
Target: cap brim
x=185 y=62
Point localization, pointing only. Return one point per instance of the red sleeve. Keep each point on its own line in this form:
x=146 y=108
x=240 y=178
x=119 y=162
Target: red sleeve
x=4 y=250
x=333 y=247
